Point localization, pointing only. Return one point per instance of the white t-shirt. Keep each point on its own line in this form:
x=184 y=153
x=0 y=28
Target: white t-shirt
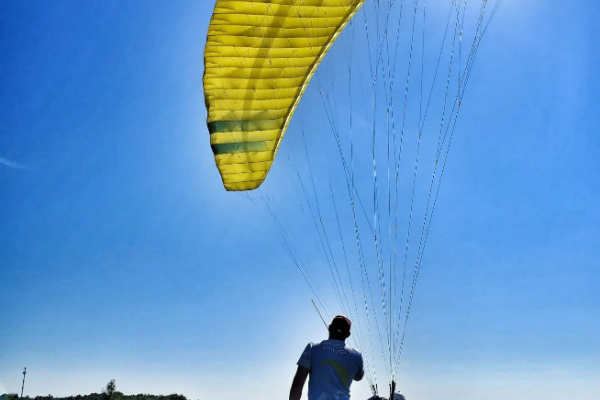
x=333 y=366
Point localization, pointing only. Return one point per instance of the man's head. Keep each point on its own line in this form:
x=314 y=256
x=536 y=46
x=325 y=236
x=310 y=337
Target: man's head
x=339 y=329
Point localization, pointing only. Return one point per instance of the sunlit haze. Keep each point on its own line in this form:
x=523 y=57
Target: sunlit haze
x=122 y=257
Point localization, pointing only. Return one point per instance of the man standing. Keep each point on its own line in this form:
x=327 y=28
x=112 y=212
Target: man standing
x=331 y=364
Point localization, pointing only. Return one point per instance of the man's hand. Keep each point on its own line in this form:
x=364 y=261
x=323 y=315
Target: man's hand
x=298 y=383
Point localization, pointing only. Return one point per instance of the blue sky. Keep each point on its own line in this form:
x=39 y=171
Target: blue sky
x=122 y=257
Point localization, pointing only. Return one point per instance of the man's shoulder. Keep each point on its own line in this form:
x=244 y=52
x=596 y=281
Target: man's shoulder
x=316 y=345
x=351 y=349
x=354 y=351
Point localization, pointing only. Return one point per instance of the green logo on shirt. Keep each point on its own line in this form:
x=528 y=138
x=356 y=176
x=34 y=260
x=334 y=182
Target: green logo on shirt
x=342 y=372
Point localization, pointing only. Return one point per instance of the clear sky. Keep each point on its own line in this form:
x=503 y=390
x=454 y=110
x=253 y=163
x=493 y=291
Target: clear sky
x=122 y=257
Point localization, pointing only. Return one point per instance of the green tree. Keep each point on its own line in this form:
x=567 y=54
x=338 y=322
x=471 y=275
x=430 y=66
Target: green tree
x=109 y=391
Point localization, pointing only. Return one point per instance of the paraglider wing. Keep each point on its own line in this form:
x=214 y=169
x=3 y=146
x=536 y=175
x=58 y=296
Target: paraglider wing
x=260 y=55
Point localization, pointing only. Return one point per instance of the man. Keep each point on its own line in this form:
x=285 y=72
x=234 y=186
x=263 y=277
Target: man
x=331 y=364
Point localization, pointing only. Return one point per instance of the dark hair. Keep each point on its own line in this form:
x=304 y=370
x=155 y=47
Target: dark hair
x=340 y=327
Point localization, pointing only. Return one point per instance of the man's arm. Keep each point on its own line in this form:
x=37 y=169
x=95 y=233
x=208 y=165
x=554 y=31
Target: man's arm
x=298 y=383
x=361 y=372
x=359 y=376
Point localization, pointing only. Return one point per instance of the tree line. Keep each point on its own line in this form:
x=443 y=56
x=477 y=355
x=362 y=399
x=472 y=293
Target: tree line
x=110 y=392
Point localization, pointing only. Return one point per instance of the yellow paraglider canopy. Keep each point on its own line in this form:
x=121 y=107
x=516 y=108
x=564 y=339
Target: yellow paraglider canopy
x=259 y=57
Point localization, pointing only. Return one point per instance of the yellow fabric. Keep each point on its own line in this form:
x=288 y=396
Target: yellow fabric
x=259 y=57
